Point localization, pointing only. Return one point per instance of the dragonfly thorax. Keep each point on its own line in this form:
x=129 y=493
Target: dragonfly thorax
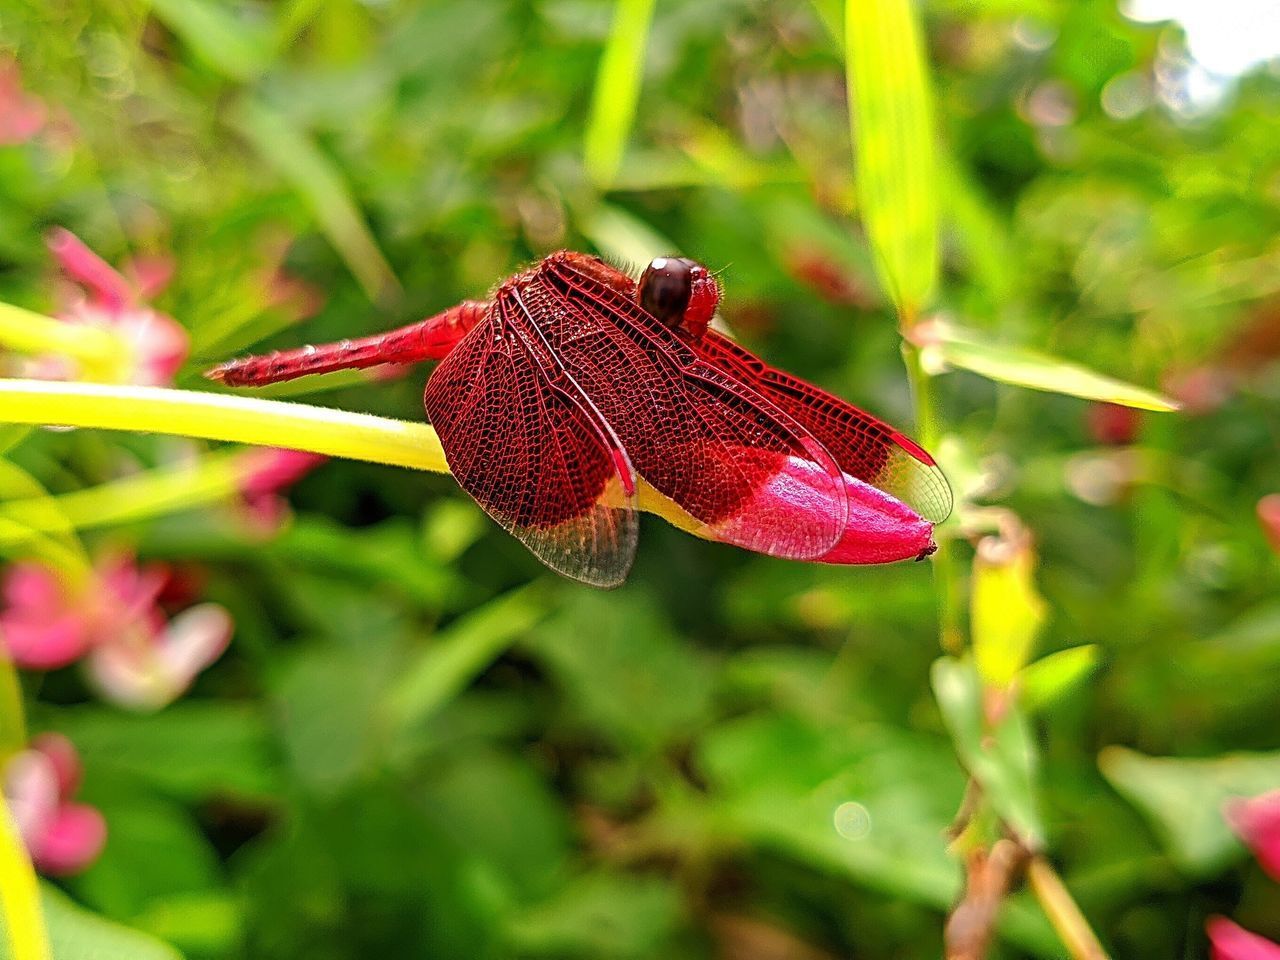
x=681 y=293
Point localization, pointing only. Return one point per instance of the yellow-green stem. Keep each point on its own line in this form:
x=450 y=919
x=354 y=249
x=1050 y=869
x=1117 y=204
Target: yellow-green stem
x=20 y=895
x=1078 y=937
x=13 y=720
x=99 y=352
x=241 y=419
x=213 y=416
x=151 y=494
x=946 y=581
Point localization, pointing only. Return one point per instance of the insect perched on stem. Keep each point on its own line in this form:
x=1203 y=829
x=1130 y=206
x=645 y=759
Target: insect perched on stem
x=574 y=379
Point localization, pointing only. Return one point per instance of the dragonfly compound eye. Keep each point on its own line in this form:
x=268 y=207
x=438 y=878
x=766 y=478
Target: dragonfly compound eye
x=665 y=288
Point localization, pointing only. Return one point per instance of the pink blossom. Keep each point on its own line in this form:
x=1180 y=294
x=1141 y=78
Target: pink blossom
x=62 y=837
x=1256 y=821
x=154 y=668
x=269 y=471
x=40 y=625
x=134 y=654
x=1232 y=942
x=878 y=528
x=21 y=115
x=156 y=345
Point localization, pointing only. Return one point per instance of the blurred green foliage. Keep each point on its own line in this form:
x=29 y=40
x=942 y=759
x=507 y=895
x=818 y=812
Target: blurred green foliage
x=406 y=752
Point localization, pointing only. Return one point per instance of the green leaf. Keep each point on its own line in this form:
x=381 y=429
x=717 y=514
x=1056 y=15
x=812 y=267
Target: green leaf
x=155 y=848
x=946 y=346
x=623 y=236
x=511 y=818
x=1002 y=759
x=891 y=110
x=601 y=915
x=77 y=934
x=319 y=182
x=1006 y=609
x=13 y=717
x=235 y=755
x=460 y=653
x=1050 y=677
x=234 y=46
x=617 y=90
x=629 y=674
x=330 y=740
x=204 y=922
x=1183 y=799
x=44 y=530
x=867 y=802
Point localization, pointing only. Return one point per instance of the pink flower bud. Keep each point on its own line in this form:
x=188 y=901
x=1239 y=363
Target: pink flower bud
x=1256 y=821
x=1232 y=942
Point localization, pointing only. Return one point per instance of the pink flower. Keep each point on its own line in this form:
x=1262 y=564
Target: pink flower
x=134 y=654
x=1232 y=942
x=153 y=668
x=40 y=625
x=62 y=837
x=268 y=472
x=1256 y=821
x=156 y=345
x=21 y=115
x=878 y=528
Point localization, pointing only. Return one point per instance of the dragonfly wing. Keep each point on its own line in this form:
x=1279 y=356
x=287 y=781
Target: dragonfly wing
x=864 y=446
x=698 y=435
x=534 y=453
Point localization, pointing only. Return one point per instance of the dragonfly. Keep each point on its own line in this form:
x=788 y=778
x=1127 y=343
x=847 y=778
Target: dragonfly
x=575 y=380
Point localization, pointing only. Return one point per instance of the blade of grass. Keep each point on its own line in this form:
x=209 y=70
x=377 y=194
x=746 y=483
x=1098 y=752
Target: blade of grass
x=215 y=416
x=306 y=168
x=460 y=653
x=153 y=493
x=20 y=895
x=891 y=111
x=948 y=346
x=617 y=90
x=239 y=419
x=13 y=718
x=235 y=48
x=98 y=351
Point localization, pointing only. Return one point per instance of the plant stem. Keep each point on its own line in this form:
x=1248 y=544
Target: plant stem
x=238 y=419
x=97 y=351
x=20 y=895
x=1056 y=901
x=213 y=416
x=945 y=571
x=140 y=497
x=13 y=721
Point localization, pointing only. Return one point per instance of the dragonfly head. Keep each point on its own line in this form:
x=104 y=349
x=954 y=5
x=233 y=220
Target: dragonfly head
x=681 y=293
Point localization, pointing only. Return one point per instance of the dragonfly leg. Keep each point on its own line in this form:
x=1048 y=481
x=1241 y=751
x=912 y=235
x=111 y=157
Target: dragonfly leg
x=429 y=339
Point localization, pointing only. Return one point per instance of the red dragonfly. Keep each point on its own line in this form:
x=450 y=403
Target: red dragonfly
x=574 y=379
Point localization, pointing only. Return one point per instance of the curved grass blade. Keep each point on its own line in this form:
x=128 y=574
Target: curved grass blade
x=617 y=90
x=946 y=346
x=240 y=419
x=305 y=167
x=236 y=48
x=891 y=111
x=24 y=932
